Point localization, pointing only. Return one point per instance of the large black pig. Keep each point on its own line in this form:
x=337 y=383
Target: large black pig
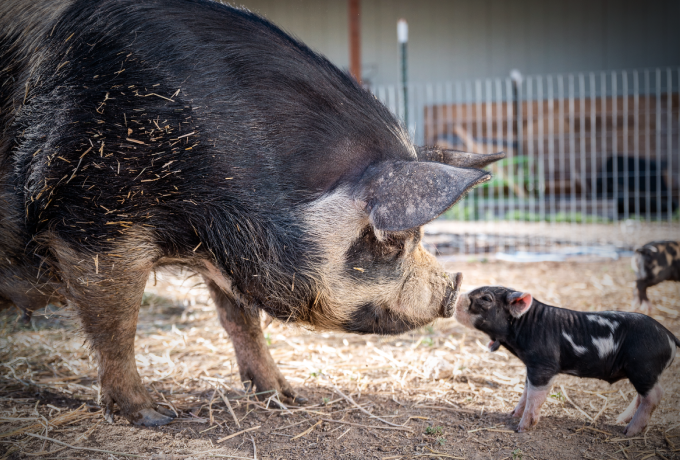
x=138 y=134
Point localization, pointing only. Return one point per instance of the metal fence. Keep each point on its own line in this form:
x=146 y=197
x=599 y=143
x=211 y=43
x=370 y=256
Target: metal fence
x=583 y=148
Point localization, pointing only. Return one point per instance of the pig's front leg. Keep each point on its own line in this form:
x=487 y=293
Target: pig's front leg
x=255 y=363
x=519 y=408
x=535 y=397
x=641 y=298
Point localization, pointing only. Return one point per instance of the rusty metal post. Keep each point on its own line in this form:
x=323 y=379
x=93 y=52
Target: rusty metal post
x=354 y=8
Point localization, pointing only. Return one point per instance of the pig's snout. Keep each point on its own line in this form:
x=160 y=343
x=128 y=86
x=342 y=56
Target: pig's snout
x=453 y=282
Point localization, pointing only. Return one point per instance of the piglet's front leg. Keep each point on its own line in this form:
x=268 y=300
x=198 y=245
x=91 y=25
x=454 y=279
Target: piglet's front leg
x=518 y=411
x=534 y=399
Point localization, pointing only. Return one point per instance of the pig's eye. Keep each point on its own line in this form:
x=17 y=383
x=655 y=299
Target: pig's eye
x=394 y=246
x=486 y=298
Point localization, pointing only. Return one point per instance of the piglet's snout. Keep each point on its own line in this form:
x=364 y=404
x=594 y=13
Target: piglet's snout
x=448 y=305
x=462 y=310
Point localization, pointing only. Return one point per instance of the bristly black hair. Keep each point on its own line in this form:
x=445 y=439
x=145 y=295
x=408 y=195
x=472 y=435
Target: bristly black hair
x=204 y=124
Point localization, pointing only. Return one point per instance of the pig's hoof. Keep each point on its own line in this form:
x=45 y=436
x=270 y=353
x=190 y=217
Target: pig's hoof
x=149 y=417
x=623 y=418
x=523 y=428
x=165 y=411
x=632 y=430
x=291 y=398
x=299 y=400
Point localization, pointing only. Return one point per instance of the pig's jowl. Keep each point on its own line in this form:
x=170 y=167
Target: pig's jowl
x=141 y=134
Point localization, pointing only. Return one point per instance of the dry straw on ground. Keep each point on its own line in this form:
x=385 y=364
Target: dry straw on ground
x=432 y=393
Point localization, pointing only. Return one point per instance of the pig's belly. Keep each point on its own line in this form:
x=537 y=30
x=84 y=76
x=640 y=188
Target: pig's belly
x=598 y=371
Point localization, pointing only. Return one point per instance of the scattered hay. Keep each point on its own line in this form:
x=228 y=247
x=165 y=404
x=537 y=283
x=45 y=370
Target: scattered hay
x=366 y=393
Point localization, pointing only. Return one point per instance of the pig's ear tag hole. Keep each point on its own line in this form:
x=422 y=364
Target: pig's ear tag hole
x=520 y=302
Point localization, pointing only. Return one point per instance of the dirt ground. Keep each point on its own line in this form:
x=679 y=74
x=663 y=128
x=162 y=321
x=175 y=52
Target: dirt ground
x=370 y=397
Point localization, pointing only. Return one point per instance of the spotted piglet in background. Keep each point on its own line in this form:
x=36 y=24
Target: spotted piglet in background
x=653 y=263
x=549 y=340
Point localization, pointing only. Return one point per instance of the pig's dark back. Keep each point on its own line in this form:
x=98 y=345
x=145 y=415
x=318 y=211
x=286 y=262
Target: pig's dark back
x=264 y=108
x=260 y=123
x=200 y=122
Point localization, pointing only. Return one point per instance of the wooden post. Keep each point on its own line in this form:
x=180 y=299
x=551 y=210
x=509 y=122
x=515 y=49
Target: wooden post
x=354 y=39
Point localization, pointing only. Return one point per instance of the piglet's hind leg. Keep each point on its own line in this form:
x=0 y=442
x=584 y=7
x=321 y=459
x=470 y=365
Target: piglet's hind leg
x=648 y=404
x=627 y=415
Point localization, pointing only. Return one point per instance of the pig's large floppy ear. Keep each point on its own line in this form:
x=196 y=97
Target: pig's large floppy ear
x=405 y=194
x=457 y=158
x=519 y=303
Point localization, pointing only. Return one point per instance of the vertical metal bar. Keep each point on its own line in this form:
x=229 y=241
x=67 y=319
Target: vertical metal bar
x=551 y=149
x=489 y=202
x=677 y=178
x=444 y=105
x=443 y=109
x=428 y=125
x=541 y=149
x=593 y=140
x=393 y=103
x=510 y=122
x=530 y=155
x=582 y=143
x=417 y=113
x=354 y=39
x=497 y=198
x=479 y=134
x=518 y=96
x=636 y=143
x=615 y=134
x=496 y=206
x=560 y=145
x=669 y=141
x=572 y=151
x=448 y=114
x=582 y=155
x=648 y=129
x=626 y=152
x=458 y=120
x=404 y=81
x=469 y=126
x=603 y=138
x=657 y=141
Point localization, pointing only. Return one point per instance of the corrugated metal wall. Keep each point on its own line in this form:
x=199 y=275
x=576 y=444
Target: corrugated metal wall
x=458 y=39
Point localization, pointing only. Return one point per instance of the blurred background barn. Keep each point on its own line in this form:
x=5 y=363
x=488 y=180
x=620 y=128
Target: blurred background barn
x=582 y=95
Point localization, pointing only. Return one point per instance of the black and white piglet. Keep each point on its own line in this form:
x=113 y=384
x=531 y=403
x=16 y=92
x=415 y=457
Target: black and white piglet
x=654 y=263
x=608 y=345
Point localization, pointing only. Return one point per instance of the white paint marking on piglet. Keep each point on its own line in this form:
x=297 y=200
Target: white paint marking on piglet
x=602 y=321
x=605 y=345
x=579 y=350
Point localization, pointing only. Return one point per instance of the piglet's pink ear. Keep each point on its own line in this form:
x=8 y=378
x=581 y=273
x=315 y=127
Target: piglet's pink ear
x=520 y=302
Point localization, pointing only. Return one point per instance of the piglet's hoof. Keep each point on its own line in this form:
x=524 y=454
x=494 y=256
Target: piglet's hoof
x=149 y=417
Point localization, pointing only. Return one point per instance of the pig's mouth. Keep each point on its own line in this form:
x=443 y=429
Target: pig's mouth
x=374 y=319
x=448 y=305
x=371 y=318
x=494 y=345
